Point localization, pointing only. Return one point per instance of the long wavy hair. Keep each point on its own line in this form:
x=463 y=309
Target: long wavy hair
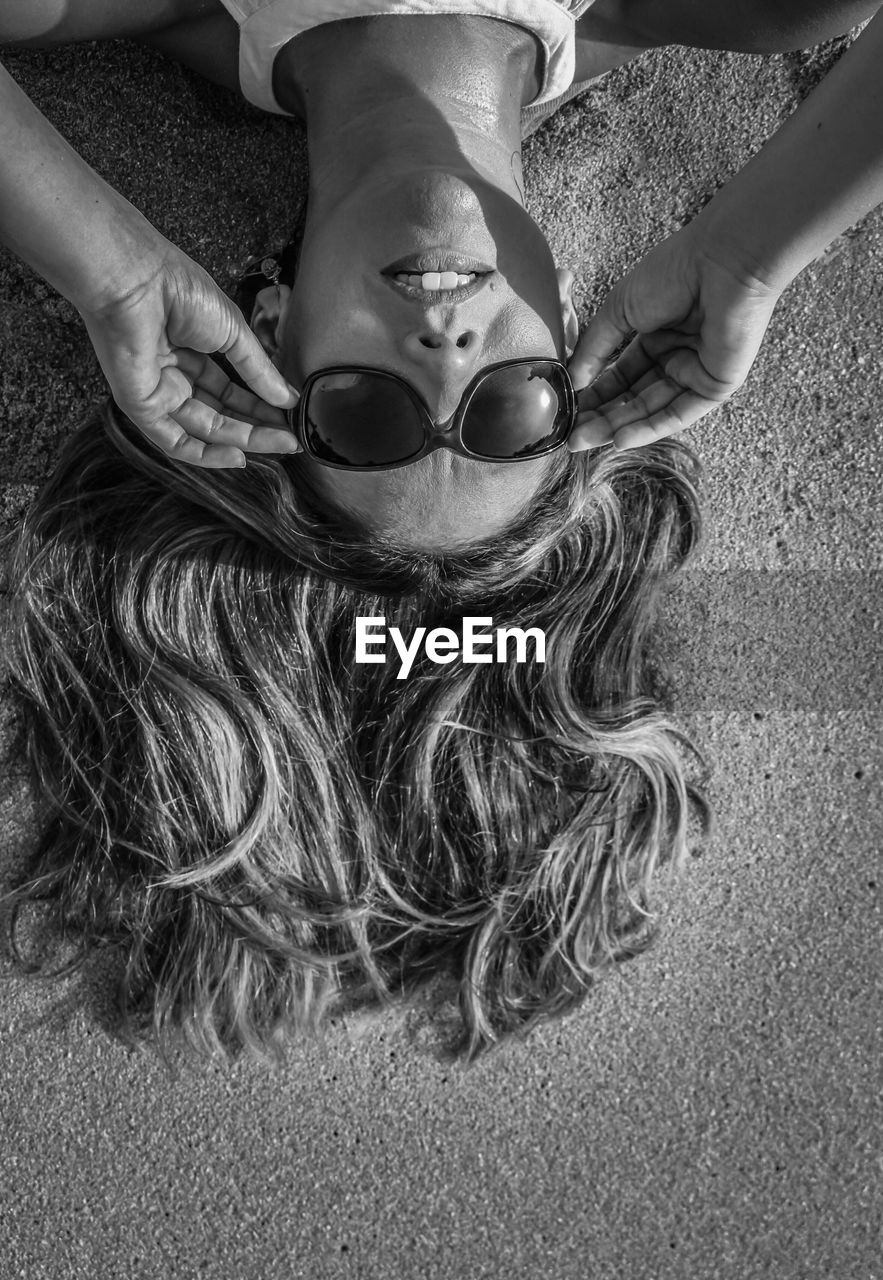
x=273 y=834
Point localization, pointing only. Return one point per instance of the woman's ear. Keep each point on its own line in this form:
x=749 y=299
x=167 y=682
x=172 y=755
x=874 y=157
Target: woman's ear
x=268 y=316
x=569 y=317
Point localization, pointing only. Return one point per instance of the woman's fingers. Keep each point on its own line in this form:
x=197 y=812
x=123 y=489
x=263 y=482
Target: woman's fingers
x=208 y=376
x=686 y=367
x=254 y=366
x=606 y=331
x=620 y=379
x=221 y=440
x=270 y=431
x=248 y=435
x=650 y=394
x=682 y=412
x=197 y=415
x=211 y=439
x=175 y=439
x=660 y=410
x=163 y=390
x=659 y=386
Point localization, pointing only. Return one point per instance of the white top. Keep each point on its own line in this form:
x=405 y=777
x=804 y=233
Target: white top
x=266 y=25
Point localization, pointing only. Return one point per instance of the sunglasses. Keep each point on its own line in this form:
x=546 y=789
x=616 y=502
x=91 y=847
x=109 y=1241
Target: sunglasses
x=361 y=419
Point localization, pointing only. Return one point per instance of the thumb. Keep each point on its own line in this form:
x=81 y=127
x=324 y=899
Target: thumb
x=606 y=331
x=252 y=363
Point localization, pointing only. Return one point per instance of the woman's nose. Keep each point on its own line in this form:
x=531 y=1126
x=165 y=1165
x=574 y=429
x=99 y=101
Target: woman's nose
x=452 y=352
x=442 y=365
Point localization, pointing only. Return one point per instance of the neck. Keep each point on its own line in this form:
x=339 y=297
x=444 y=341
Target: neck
x=388 y=97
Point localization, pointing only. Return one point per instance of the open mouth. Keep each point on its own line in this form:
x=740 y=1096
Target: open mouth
x=438 y=276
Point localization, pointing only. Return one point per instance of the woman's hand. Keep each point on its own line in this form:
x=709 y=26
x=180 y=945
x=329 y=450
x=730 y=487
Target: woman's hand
x=153 y=338
x=152 y=314
x=699 y=320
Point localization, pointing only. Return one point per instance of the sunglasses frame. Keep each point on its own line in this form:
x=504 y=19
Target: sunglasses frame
x=448 y=436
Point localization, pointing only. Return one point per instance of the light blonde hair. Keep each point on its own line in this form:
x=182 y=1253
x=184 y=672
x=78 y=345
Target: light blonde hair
x=272 y=833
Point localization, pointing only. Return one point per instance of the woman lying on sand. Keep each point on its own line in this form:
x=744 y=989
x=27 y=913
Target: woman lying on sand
x=266 y=826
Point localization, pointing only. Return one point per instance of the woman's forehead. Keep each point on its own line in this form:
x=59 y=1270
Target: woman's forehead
x=440 y=502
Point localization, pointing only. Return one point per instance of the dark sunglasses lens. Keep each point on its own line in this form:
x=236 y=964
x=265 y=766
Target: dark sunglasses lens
x=361 y=420
x=517 y=412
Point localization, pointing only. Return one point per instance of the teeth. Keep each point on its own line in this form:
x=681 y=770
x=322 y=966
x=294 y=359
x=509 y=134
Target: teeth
x=435 y=280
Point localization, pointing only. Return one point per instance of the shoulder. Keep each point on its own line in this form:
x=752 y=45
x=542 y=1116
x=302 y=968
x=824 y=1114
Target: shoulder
x=42 y=23
x=754 y=26
x=606 y=37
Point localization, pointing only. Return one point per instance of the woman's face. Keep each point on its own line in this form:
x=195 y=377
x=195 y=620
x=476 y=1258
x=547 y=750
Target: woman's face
x=345 y=310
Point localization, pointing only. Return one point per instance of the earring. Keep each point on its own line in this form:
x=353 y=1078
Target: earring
x=272 y=270
x=268 y=267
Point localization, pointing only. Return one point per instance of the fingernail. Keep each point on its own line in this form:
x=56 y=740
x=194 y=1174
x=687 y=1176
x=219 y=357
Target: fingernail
x=595 y=441
x=601 y=435
x=583 y=380
x=623 y=441
x=593 y=430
